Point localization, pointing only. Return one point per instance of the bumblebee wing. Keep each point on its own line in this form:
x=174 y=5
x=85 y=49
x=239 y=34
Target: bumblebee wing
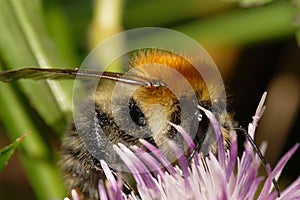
x=50 y=73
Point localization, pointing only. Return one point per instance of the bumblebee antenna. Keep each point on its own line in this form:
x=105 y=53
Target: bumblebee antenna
x=260 y=155
x=52 y=73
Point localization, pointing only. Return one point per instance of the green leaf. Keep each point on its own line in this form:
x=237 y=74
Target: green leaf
x=7 y=152
x=41 y=170
x=24 y=41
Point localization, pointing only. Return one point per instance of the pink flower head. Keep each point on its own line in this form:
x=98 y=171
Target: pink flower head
x=213 y=177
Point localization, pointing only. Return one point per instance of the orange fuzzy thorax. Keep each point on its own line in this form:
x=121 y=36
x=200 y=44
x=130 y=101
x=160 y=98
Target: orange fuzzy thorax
x=162 y=65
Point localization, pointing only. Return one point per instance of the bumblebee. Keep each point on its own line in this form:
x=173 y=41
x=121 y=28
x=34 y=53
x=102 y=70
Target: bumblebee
x=162 y=87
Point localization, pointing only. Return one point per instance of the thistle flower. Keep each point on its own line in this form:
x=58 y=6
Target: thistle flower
x=221 y=176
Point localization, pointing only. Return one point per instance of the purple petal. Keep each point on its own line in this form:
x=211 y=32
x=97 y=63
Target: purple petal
x=119 y=192
x=137 y=162
x=247 y=182
x=158 y=154
x=185 y=135
x=215 y=178
x=223 y=196
x=293 y=191
x=114 y=188
x=130 y=165
x=187 y=139
x=254 y=187
x=110 y=177
x=272 y=196
x=150 y=162
x=277 y=170
x=251 y=131
x=252 y=126
x=282 y=162
x=142 y=169
x=102 y=191
x=233 y=155
x=74 y=195
x=183 y=163
x=260 y=110
x=265 y=191
x=244 y=166
x=219 y=136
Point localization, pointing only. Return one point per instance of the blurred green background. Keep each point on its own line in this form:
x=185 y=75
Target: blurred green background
x=255 y=44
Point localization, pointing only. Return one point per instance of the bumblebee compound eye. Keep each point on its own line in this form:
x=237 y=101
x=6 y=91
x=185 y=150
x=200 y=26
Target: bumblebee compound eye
x=136 y=114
